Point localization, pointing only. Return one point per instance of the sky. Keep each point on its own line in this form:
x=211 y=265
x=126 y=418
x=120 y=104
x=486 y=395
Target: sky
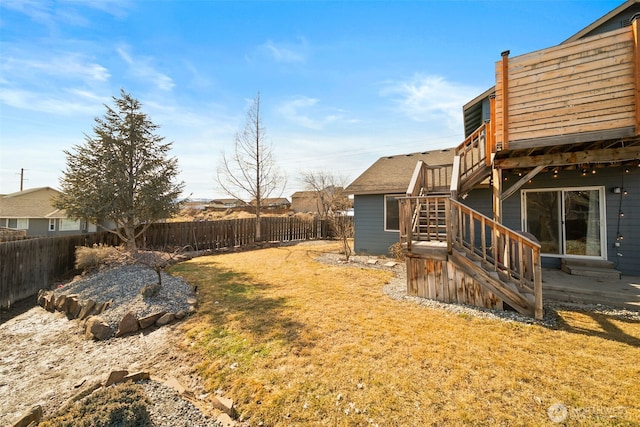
x=341 y=83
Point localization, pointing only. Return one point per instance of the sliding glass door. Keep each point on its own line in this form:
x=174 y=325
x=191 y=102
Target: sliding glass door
x=566 y=221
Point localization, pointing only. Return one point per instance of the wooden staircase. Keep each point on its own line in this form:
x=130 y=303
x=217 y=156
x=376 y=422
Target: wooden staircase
x=482 y=263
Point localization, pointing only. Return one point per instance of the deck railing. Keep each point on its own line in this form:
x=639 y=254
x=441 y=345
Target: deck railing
x=513 y=256
x=474 y=152
x=423 y=218
x=429 y=179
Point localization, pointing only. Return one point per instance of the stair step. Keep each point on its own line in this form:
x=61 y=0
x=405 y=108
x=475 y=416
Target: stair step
x=597 y=272
x=598 y=263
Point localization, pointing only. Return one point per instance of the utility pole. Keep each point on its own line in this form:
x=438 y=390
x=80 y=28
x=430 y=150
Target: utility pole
x=21 y=178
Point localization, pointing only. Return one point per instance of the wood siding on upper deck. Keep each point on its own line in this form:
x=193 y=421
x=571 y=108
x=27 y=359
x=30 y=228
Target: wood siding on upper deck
x=582 y=87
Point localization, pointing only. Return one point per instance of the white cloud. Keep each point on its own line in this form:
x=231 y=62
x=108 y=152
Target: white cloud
x=307 y=112
x=425 y=98
x=72 y=66
x=68 y=102
x=141 y=68
x=287 y=53
x=56 y=14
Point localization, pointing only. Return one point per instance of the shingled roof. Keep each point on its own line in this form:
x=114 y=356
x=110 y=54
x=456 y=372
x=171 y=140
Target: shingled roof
x=392 y=174
x=32 y=203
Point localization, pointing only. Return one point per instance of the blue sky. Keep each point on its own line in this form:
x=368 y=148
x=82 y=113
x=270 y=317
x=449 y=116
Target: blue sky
x=342 y=83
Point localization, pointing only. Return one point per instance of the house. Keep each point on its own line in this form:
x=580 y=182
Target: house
x=557 y=139
x=32 y=211
x=376 y=192
x=225 y=204
x=306 y=202
x=319 y=203
x=274 y=203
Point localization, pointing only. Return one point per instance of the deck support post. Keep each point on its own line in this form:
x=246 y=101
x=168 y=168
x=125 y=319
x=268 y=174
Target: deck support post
x=636 y=72
x=505 y=99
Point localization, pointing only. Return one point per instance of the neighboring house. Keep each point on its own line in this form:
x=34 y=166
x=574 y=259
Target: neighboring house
x=274 y=203
x=376 y=193
x=225 y=204
x=32 y=211
x=306 y=202
x=318 y=203
x=557 y=139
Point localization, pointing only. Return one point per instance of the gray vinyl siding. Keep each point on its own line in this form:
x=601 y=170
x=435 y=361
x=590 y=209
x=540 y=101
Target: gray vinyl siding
x=370 y=237
x=609 y=177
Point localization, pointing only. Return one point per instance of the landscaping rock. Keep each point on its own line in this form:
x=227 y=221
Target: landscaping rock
x=116 y=377
x=138 y=376
x=225 y=420
x=60 y=302
x=73 y=307
x=225 y=405
x=166 y=318
x=86 y=309
x=147 y=321
x=128 y=324
x=32 y=417
x=96 y=328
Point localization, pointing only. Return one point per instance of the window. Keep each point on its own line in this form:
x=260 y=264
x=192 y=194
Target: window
x=392 y=212
x=52 y=224
x=19 y=224
x=567 y=221
x=69 y=225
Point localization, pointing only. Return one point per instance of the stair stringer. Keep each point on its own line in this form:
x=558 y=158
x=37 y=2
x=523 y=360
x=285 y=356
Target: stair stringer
x=489 y=280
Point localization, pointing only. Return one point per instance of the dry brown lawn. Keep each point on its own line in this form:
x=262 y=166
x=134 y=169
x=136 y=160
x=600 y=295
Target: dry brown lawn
x=297 y=342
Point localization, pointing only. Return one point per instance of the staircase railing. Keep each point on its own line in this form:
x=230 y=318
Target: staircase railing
x=423 y=218
x=429 y=179
x=514 y=257
x=474 y=154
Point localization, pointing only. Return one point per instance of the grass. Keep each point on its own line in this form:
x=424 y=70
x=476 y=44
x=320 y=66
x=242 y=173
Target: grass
x=297 y=342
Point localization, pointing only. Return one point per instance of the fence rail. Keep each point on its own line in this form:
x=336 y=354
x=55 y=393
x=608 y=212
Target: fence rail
x=27 y=266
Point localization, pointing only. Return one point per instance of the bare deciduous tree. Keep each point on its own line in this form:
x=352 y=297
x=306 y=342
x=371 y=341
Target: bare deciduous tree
x=333 y=204
x=250 y=170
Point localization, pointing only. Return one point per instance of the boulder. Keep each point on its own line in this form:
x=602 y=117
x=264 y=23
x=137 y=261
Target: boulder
x=50 y=302
x=96 y=328
x=128 y=324
x=42 y=294
x=100 y=308
x=116 y=377
x=73 y=307
x=138 y=376
x=225 y=405
x=86 y=309
x=147 y=321
x=60 y=302
x=166 y=318
x=32 y=417
x=181 y=314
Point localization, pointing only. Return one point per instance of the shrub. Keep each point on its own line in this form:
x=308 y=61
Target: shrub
x=93 y=257
x=396 y=251
x=120 y=405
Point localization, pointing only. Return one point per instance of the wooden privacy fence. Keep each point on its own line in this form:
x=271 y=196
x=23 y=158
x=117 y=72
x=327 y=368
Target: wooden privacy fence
x=27 y=266
x=230 y=233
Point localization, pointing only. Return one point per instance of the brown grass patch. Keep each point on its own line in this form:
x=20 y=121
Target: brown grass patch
x=297 y=342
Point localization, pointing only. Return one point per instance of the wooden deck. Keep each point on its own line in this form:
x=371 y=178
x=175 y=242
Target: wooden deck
x=560 y=286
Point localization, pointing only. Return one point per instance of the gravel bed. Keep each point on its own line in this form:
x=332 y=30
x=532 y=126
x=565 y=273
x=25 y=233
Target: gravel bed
x=122 y=285
x=167 y=408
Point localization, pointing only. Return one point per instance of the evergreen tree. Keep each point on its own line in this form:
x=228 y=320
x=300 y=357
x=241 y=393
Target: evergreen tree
x=122 y=173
